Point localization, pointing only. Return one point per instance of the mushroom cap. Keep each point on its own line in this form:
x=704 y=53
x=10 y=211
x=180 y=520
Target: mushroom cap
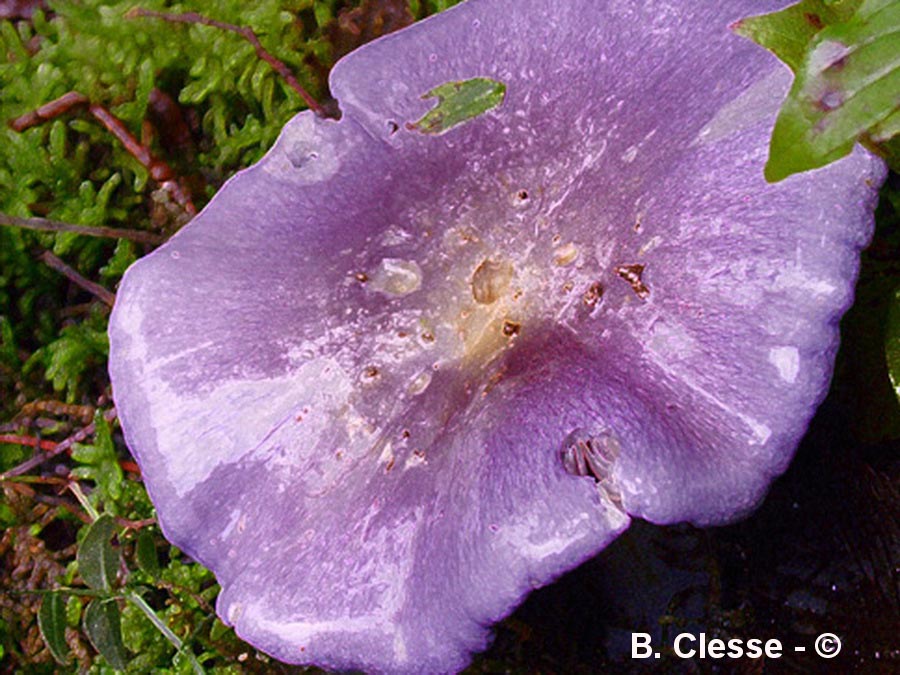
x=389 y=381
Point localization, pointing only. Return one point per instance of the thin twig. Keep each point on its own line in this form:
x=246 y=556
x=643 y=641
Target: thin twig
x=61 y=447
x=33 y=408
x=48 y=111
x=134 y=524
x=76 y=490
x=15 y=427
x=38 y=480
x=44 y=225
x=163 y=628
x=248 y=35
x=10 y=427
x=22 y=488
x=159 y=170
x=30 y=441
x=96 y=289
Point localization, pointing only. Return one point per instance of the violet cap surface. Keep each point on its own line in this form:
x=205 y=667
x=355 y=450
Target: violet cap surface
x=388 y=381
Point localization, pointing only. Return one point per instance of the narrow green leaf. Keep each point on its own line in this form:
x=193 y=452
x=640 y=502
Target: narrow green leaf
x=892 y=343
x=887 y=128
x=788 y=32
x=183 y=649
x=52 y=624
x=98 y=562
x=846 y=88
x=86 y=454
x=145 y=552
x=100 y=462
x=218 y=630
x=103 y=627
x=458 y=102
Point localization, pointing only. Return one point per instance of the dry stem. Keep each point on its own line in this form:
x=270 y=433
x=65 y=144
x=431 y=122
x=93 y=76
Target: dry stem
x=96 y=289
x=45 y=225
x=61 y=447
x=159 y=170
x=246 y=33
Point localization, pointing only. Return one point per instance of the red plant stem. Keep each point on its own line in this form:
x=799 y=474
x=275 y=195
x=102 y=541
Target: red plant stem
x=44 y=225
x=246 y=33
x=49 y=111
x=96 y=289
x=135 y=524
x=30 y=441
x=62 y=446
x=114 y=125
x=161 y=172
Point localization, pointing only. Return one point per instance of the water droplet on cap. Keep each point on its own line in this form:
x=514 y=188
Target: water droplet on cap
x=396 y=277
x=420 y=383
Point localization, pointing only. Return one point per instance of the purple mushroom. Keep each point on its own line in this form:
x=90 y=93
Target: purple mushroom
x=390 y=380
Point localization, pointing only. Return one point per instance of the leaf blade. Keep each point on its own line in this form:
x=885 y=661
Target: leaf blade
x=846 y=88
x=103 y=627
x=98 y=562
x=52 y=625
x=145 y=553
x=788 y=32
x=459 y=101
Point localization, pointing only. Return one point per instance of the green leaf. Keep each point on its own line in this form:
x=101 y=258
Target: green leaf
x=892 y=343
x=788 y=32
x=52 y=624
x=98 y=562
x=103 y=627
x=846 y=89
x=100 y=462
x=145 y=552
x=120 y=260
x=7 y=516
x=184 y=652
x=218 y=630
x=8 y=349
x=73 y=611
x=458 y=102
x=78 y=348
x=886 y=129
